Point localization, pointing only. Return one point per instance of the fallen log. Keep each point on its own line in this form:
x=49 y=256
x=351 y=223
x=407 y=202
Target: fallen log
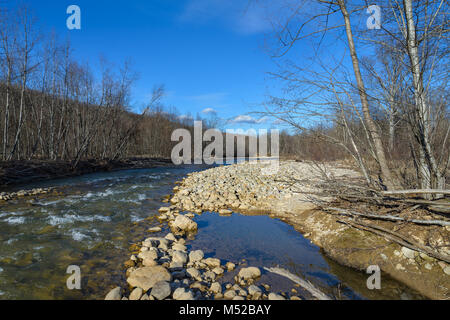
x=413 y=191
x=398 y=238
x=388 y=217
x=308 y=286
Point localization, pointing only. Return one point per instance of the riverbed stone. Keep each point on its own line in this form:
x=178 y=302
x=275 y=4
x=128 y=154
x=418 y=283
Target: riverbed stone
x=212 y=262
x=408 y=253
x=252 y=289
x=274 y=296
x=215 y=288
x=193 y=273
x=179 y=256
x=249 y=273
x=114 y=294
x=147 y=277
x=136 y=294
x=183 y=223
x=230 y=266
x=196 y=255
x=183 y=294
x=161 y=290
x=218 y=270
x=148 y=255
x=179 y=247
x=229 y=294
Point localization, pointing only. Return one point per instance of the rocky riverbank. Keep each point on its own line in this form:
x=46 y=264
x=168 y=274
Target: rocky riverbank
x=249 y=188
x=163 y=268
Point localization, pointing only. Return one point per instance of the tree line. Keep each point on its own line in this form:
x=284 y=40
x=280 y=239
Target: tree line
x=54 y=107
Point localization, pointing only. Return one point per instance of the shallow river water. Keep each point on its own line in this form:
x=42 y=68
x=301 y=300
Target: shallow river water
x=92 y=220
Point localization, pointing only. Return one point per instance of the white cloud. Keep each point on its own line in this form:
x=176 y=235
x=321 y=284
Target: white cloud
x=248 y=119
x=209 y=111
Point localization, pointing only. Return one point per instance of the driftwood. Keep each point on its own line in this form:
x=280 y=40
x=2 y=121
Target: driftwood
x=398 y=238
x=388 y=217
x=308 y=286
x=413 y=191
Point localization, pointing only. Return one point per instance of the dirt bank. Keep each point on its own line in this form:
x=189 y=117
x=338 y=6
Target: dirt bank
x=251 y=188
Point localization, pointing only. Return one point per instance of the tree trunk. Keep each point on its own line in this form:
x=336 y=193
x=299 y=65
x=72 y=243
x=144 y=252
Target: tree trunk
x=374 y=133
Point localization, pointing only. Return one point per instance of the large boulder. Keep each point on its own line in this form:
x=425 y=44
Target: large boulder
x=183 y=224
x=147 y=277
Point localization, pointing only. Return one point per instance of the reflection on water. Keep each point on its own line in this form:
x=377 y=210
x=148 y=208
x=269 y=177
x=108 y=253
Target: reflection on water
x=98 y=216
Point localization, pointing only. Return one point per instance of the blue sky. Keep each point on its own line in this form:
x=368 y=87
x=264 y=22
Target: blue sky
x=207 y=53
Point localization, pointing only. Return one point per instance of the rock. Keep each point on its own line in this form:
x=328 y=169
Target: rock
x=182 y=294
x=148 y=255
x=179 y=247
x=428 y=266
x=295 y=298
x=161 y=290
x=238 y=298
x=196 y=255
x=114 y=294
x=229 y=294
x=163 y=244
x=145 y=297
x=225 y=212
x=446 y=270
x=163 y=209
x=209 y=276
x=149 y=263
x=179 y=256
x=254 y=289
x=218 y=270
x=249 y=273
x=230 y=266
x=193 y=273
x=136 y=294
x=215 y=288
x=154 y=229
x=170 y=237
x=212 y=262
x=408 y=253
x=183 y=223
x=147 y=277
x=426 y=257
x=198 y=285
x=399 y=267
x=274 y=296
x=176 y=266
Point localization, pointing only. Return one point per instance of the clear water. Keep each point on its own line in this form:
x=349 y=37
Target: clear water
x=94 y=219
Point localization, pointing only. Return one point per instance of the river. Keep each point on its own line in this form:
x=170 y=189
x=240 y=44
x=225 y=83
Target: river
x=92 y=220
